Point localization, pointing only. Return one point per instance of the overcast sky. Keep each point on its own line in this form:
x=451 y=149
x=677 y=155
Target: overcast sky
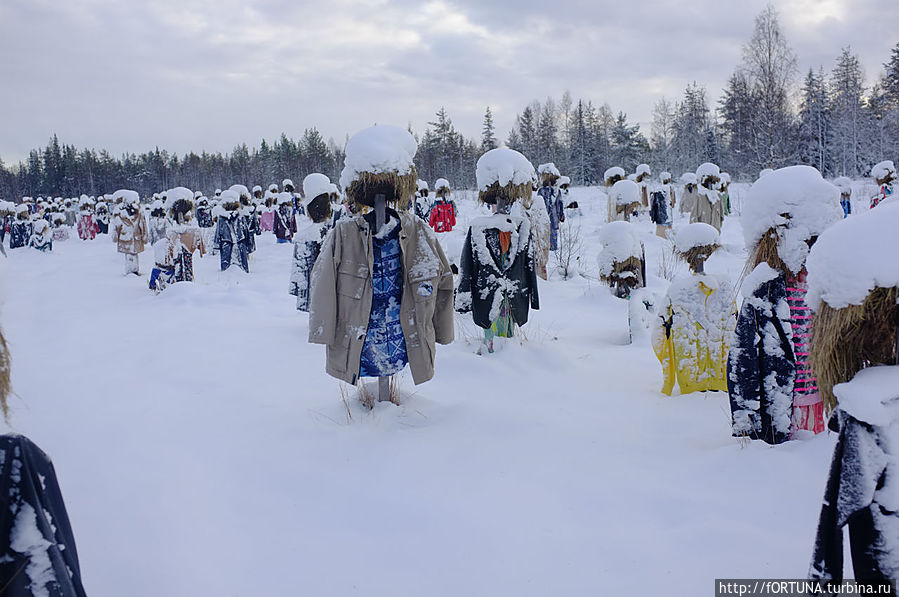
x=210 y=74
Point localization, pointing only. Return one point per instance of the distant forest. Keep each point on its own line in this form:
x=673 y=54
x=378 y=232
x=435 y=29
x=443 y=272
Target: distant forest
x=769 y=115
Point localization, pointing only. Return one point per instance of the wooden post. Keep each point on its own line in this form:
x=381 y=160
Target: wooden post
x=380 y=220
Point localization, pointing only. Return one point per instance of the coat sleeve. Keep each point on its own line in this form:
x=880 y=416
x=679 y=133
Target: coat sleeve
x=743 y=373
x=444 y=329
x=663 y=345
x=433 y=219
x=323 y=293
x=531 y=275
x=827 y=558
x=467 y=273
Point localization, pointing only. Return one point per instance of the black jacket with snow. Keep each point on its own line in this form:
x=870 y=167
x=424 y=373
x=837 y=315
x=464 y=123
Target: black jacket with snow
x=761 y=367
x=861 y=492
x=40 y=557
x=483 y=281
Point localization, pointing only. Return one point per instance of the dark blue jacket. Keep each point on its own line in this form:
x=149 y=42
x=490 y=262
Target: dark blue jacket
x=762 y=405
x=19 y=233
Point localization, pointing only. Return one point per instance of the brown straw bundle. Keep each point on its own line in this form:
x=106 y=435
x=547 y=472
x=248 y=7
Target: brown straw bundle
x=404 y=186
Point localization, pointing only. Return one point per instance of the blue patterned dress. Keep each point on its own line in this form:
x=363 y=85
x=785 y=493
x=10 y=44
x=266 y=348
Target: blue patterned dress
x=384 y=349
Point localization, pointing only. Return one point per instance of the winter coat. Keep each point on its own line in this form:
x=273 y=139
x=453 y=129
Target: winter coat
x=423 y=207
x=443 y=216
x=267 y=220
x=708 y=208
x=691 y=335
x=688 y=201
x=130 y=233
x=660 y=207
x=552 y=200
x=19 y=233
x=103 y=223
x=231 y=228
x=307 y=245
x=158 y=225
x=761 y=367
x=252 y=223
x=483 y=283
x=861 y=489
x=285 y=224
x=87 y=227
x=340 y=299
x=204 y=217
x=71 y=216
x=43 y=558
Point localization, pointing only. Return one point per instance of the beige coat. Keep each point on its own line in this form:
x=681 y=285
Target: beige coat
x=708 y=208
x=130 y=233
x=341 y=295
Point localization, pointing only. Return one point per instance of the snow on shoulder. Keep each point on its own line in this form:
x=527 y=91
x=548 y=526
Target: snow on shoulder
x=316 y=184
x=695 y=235
x=796 y=192
x=853 y=257
x=872 y=396
x=620 y=242
x=380 y=149
x=625 y=192
x=503 y=166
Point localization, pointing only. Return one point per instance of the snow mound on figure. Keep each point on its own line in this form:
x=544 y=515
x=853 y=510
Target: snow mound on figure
x=173 y=195
x=625 y=192
x=871 y=395
x=380 y=149
x=316 y=184
x=127 y=196
x=644 y=170
x=811 y=202
x=441 y=183
x=883 y=169
x=688 y=178
x=503 y=166
x=620 y=242
x=613 y=171
x=695 y=235
x=548 y=168
x=708 y=169
x=853 y=257
x=844 y=183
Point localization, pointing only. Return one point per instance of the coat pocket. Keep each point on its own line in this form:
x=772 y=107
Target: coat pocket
x=351 y=280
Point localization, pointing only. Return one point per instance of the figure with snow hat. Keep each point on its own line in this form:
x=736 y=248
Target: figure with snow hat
x=423 y=201
x=381 y=291
x=285 y=223
x=724 y=192
x=231 y=233
x=41 y=235
x=288 y=187
x=707 y=206
x=691 y=194
x=552 y=200
x=844 y=183
x=71 y=212
x=267 y=211
x=87 y=227
x=257 y=194
x=622 y=265
x=248 y=213
x=497 y=272
x=183 y=233
x=643 y=176
x=443 y=210
x=157 y=220
x=884 y=175
x=661 y=207
x=854 y=353
x=773 y=389
x=307 y=242
x=20 y=228
x=610 y=177
x=102 y=217
x=691 y=335
x=130 y=230
x=624 y=195
x=60 y=230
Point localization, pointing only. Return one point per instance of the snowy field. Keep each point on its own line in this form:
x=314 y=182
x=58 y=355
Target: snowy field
x=202 y=449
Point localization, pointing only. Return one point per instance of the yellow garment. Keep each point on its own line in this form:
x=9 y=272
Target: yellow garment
x=691 y=336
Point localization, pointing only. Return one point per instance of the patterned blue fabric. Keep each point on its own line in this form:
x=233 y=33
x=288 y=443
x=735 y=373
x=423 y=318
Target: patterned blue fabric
x=553 y=200
x=19 y=234
x=384 y=349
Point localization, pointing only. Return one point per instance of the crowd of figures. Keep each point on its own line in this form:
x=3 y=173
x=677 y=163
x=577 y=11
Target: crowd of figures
x=380 y=292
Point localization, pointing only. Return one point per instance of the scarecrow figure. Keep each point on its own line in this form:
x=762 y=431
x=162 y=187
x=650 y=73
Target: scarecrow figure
x=267 y=212
x=248 y=214
x=231 y=233
x=20 y=229
x=691 y=194
x=423 y=201
x=622 y=265
x=662 y=205
x=611 y=176
x=157 y=221
x=884 y=175
x=41 y=236
x=707 y=206
x=381 y=291
x=497 y=273
x=625 y=196
x=285 y=223
x=642 y=178
x=691 y=335
x=184 y=235
x=854 y=352
x=443 y=211
x=130 y=230
x=87 y=227
x=552 y=200
x=103 y=217
x=773 y=389
x=307 y=242
x=844 y=183
x=60 y=230
x=724 y=192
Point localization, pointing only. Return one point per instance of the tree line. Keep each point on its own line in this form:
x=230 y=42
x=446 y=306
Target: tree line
x=766 y=117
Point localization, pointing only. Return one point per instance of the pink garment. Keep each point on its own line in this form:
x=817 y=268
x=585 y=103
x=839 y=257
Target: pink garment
x=808 y=407
x=267 y=220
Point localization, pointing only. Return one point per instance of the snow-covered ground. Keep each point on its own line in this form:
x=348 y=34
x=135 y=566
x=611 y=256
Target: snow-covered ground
x=202 y=449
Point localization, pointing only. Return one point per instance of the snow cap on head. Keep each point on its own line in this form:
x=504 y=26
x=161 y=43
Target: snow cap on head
x=229 y=196
x=85 y=201
x=21 y=209
x=564 y=180
x=613 y=172
x=548 y=168
x=644 y=170
x=422 y=185
x=725 y=178
x=708 y=171
x=285 y=198
x=333 y=190
x=156 y=204
x=695 y=235
x=884 y=172
x=665 y=177
x=240 y=189
x=380 y=154
x=314 y=185
x=853 y=257
x=176 y=194
x=688 y=178
x=127 y=197
x=257 y=189
x=102 y=204
x=218 y=192
x=844 y=183
x=506 y=173
x=625 y=192
x=198 y=194
x=273 y=188
x=441 y=183
x=620 y=243
x=287 y=183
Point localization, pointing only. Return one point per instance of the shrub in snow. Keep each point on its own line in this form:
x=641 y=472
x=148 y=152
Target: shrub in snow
x=379 y=161
x=784 y=210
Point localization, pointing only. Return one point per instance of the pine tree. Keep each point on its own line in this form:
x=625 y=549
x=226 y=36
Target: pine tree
x=488 y=132
x=815 y=123
x=850 y=122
